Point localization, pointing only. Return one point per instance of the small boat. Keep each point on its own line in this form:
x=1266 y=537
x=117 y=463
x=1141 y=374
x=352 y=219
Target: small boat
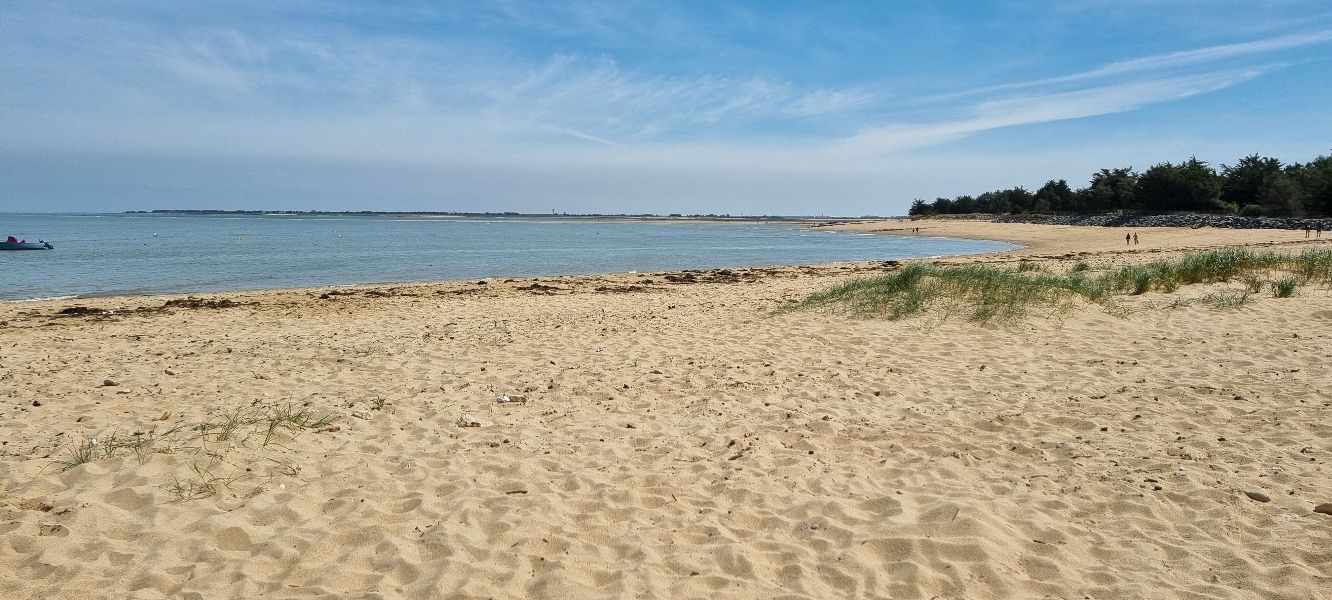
x=16 y=244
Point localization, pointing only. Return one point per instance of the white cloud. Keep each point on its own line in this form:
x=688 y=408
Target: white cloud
x=298 y=92
x=1037 y=108
x=1184 y=58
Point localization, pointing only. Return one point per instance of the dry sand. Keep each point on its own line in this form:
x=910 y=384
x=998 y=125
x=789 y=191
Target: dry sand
x=677 y=441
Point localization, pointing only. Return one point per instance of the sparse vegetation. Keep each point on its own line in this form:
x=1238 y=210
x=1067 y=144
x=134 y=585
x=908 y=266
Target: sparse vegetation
x=1226 y=300
x=1253 y=283
x=986 y=294
x=86 y=451
x=202 y=484
x=1285 y=287
x=208 y=442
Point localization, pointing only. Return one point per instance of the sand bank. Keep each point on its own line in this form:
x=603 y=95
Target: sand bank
x=669 y=438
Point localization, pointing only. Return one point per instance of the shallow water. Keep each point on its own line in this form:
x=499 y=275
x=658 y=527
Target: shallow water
x=120 y=254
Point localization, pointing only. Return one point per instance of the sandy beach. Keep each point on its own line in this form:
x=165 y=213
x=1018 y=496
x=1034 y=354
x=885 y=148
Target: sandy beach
x=670 y=436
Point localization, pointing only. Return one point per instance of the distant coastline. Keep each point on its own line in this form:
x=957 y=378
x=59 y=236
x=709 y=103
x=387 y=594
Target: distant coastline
x=511 y=215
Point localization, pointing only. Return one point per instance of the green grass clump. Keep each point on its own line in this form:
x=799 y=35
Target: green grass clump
x=1285 y=287
x=1313 y=265
x=202 y=484
x=1217 y=265
x=84 y=452
x=207 y=437
x=1140 y=279
x=984 y=294
x=226 y=429
x=1227 y=300
x=981 y=293
x=1253 y=283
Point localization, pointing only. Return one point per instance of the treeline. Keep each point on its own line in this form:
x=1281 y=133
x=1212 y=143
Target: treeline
x=1255 y=186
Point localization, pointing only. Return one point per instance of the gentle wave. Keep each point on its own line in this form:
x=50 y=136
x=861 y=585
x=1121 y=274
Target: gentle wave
x=42 y=299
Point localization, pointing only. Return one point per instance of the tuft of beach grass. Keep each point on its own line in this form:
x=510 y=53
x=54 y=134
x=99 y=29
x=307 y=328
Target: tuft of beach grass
x=986 y=294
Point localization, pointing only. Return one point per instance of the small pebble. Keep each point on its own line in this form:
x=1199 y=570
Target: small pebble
x=1324 y=508
x=1257 y=495
x=109 y=383
x=36 y=403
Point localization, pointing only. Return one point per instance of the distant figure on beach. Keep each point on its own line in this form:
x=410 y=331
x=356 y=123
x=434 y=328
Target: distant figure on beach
x=1128 y=239
x=1135 y=239
x=1307 y=229
x=1320 y=230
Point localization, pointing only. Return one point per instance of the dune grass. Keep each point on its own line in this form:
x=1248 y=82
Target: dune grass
x=1285 y=287
x=982 y=293
x=986 y=294
x=1228 y=300
x=207 y=437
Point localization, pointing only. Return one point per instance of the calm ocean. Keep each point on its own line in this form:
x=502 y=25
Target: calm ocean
x=120 y=254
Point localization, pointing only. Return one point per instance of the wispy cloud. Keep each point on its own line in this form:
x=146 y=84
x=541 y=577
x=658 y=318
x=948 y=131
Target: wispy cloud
x=1039 y=108
x=227 y=61
x=690 y=99
x=1115 y=87
x=1171 y=60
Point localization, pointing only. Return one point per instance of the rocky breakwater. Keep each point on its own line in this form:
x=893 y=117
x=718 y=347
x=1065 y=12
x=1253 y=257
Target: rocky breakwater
x=1175 y=220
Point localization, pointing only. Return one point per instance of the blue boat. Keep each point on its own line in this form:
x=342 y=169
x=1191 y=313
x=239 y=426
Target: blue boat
x=16 y=244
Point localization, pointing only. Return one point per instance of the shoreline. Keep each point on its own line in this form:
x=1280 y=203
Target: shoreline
x=793 y=224
x=1032 y=240
x=676 y=437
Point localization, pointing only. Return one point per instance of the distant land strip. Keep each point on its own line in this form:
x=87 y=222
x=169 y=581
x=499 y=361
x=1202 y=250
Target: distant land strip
x=374 y=213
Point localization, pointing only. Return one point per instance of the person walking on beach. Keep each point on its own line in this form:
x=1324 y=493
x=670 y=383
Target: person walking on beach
x=1128 y=239
x=1307 y=229
x=1320 y=230
x=1135 y=239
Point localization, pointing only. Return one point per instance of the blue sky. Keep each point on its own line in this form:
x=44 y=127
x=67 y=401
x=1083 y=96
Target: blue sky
x=695 y=107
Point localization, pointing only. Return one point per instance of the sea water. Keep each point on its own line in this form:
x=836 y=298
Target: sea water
x=129 y=254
